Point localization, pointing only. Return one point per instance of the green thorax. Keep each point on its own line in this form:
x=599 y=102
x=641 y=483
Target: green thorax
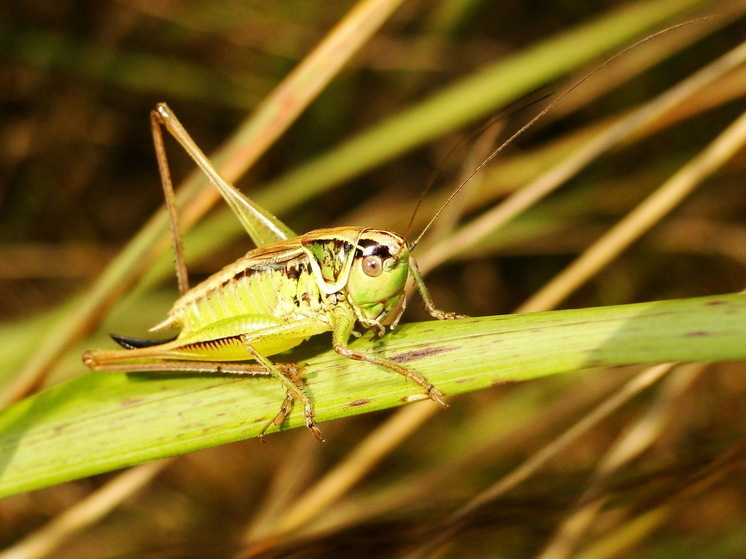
x=362 y=270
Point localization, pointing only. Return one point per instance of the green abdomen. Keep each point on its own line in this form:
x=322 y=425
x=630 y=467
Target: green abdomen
x=283 y=291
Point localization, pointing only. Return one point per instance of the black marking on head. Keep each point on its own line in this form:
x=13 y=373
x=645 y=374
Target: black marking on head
x=372 y=248
x=128 y=342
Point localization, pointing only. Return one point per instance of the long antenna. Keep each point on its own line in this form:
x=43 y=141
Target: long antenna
x=541 y=114
x=439 y=168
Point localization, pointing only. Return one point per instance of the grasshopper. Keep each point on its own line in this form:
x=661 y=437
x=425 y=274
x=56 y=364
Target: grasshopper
x=289 y=288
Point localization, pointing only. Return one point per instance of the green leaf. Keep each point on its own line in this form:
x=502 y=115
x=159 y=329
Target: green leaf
x=101 y=422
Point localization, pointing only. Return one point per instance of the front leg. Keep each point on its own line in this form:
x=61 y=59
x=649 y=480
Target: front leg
x=425 y=294
x=345 y=321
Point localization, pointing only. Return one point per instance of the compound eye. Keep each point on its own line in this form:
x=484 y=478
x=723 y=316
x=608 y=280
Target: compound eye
x=372 y=266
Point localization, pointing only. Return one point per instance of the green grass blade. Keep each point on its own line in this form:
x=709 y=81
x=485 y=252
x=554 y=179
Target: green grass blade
x=101 y=422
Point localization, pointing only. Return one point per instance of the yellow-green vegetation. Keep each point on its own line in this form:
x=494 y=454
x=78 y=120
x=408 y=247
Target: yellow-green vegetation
x=625 y=203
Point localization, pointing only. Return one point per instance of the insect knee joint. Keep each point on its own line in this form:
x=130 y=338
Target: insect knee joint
x=436 y=395
x=346 y=352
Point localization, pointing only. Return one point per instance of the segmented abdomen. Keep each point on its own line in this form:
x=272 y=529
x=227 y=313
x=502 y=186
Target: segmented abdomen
x=250 y=286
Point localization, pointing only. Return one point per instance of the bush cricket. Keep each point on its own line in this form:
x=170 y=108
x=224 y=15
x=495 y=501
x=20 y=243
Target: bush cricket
x=289 y=288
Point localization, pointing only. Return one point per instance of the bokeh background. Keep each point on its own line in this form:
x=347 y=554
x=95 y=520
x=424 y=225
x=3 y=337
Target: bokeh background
x=78 y=179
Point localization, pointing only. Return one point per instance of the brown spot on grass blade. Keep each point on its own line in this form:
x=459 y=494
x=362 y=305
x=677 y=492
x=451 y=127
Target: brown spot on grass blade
x=360 y=402
x=501 y=382
x=422 y=353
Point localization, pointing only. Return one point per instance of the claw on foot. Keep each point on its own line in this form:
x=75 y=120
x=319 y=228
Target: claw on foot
x=436 y=395
x=315 y=430
x=276 y=421
x=282 y=415
x=446 y=315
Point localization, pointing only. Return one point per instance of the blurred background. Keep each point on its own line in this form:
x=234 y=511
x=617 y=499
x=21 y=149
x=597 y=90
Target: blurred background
x=78 y=179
